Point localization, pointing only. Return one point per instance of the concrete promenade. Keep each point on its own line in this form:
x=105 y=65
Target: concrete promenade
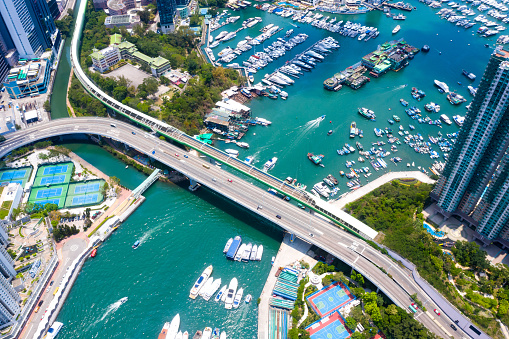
x=288 y=254
x=388 y=177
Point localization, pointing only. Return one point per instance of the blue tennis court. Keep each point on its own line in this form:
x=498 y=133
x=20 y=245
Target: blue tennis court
x=87 y=188
x=50 y=201
x=13 y=175
x=85 y=199
x=55 y=170
x=57 y=179
x=329 y=299
x=333 y=330
x=48 y=193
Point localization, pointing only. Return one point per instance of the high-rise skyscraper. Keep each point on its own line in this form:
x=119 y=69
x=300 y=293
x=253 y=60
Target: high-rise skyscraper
x=30 y=25
x=53 y=8
x=9 y=303
x=475 y=178
x=167 y=10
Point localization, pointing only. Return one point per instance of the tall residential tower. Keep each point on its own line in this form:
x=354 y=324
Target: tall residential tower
x=472 y=183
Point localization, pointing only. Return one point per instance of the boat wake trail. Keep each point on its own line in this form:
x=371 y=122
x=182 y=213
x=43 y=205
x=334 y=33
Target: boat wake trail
x=398 y=88
x=110 y=309
x=148 y=233
x=310 y=125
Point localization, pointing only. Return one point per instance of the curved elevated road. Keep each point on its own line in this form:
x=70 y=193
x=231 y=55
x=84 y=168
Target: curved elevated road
x=341 y=244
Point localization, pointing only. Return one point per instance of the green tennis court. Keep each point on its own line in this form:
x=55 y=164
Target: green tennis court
x=84 y=193
x=54 y=194
x=54 y=174
x=53 y=185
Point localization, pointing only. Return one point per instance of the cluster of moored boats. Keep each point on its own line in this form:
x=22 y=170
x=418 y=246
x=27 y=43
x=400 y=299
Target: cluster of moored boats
x=460 y=14
x=171 y=330
x=348 y=29
x=207 y=286
x=303 y=62
x=236 y=250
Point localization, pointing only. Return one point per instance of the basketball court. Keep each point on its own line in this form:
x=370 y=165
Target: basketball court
x=330 y=327
x=330 y=299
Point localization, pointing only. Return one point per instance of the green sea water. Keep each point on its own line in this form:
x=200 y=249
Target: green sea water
x=183 y=232
x=293 y=134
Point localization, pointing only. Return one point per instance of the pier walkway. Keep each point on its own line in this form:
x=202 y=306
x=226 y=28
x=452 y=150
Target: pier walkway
x=388 y=177
x=138 y=191
x=288 y=253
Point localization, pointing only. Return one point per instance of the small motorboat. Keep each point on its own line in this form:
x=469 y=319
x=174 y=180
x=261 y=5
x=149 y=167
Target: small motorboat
x=123 y=300
x=227 y=246
x=329 y=132
x=94 y=253
x=248 y=298
x=272 y=260
x=136 y=244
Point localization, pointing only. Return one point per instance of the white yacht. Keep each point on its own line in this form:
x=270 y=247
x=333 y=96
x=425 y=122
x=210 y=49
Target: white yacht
x=322 y=189
x=442 y=85
x=207 y=333
x=174 y=327
x=247 y=252
x=445 y=119
x=269 y=164
x=259 y=253
x=230 y=294
x=220 y=294
x=252 y=257
x=213 y=288
x=240 y=252
x=206 y=286
x=54 y=329
x=227 y=246
x=200 y=282
x=232 y=152
x=238 y=298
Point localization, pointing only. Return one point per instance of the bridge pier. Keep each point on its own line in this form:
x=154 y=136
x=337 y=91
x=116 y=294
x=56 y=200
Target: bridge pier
x=193 y=185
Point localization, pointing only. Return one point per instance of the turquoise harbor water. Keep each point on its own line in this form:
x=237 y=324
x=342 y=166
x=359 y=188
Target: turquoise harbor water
x=183 y=232
x=292 y=135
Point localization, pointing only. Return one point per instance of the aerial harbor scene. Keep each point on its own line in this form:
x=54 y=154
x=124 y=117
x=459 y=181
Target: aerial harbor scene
x=215 y=169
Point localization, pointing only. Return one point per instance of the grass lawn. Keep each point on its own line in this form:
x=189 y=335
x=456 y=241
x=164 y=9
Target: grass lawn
x=4 y=210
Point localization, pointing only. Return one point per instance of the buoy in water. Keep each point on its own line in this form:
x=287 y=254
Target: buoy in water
x=389 y=109
x=330 y=122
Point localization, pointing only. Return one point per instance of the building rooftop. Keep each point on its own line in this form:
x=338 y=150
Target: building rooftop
x=159 y=61
x=217 y=121
x=116 y=39
x=116 y=5
x=126 y=45
x=142 y=56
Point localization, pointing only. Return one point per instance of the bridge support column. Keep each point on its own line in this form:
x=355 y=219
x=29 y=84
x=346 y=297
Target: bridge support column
x=193 y=185
x=292 y=237
x=192 y=182
x=377 y=289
